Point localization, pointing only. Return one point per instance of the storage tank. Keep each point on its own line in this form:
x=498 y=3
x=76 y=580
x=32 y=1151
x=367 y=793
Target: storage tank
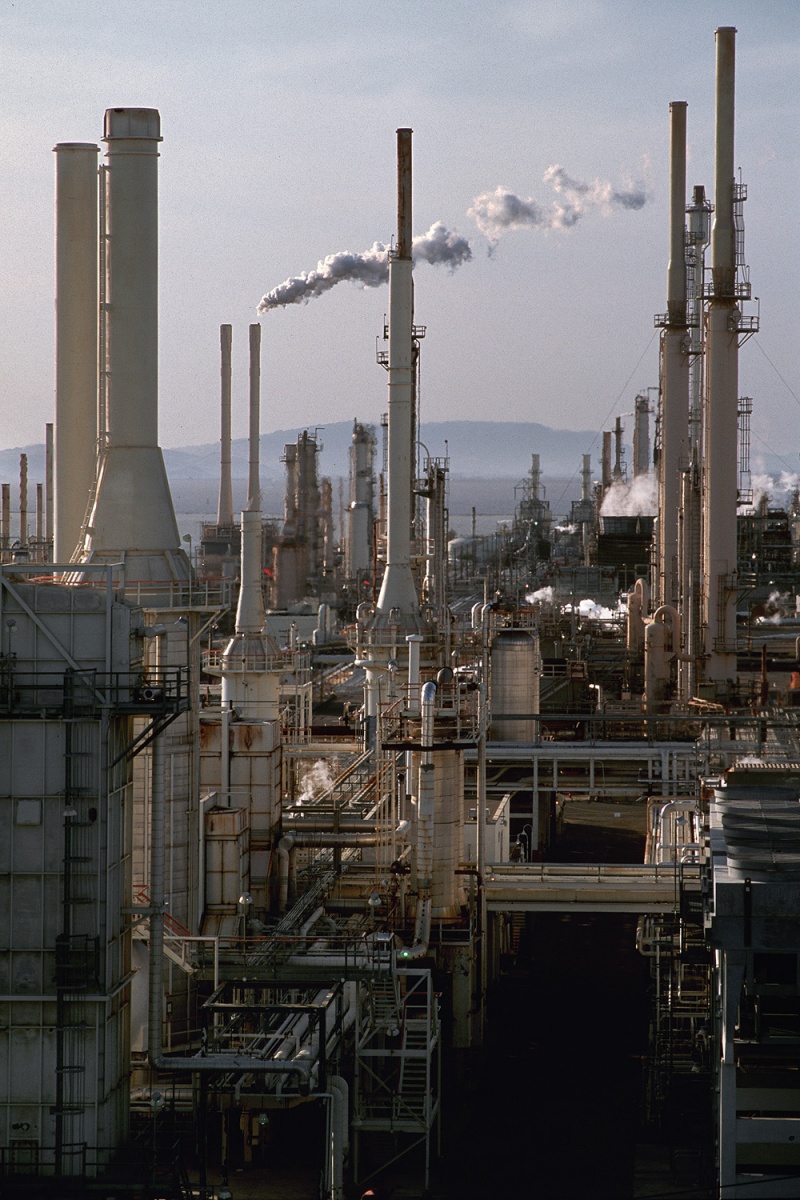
x=514 y=685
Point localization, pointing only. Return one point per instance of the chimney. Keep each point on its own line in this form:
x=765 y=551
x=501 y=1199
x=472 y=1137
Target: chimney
x=675 y=361
x=75 y=340
x=225 y=507
x=398 y=593
x=132 y=515
x=722 y=392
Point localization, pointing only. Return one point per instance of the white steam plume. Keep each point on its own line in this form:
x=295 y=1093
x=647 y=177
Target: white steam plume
x=639 y=498
x=778 y=491
x=440 y=246
x=495 y=213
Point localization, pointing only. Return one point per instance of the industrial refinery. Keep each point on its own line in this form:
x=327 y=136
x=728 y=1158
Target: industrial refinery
x=291 y=822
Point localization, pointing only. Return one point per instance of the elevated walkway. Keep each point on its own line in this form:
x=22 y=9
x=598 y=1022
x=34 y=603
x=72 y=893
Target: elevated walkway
x=589 y=887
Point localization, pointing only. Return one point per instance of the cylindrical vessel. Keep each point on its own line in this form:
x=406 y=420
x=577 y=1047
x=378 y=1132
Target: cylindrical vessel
x=76 y=306
x=515 y=672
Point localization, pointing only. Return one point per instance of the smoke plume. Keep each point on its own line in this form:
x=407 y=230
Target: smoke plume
x=497 y=212
x=440 y=246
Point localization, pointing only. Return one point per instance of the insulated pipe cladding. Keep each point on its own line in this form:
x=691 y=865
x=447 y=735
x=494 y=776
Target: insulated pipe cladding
x=722 y=391
x=75 y=340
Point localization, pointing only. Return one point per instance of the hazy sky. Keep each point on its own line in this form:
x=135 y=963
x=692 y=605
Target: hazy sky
x=279 y=121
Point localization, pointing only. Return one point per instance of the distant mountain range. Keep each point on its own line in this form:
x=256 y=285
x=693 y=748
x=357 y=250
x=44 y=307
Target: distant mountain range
x=476 y=449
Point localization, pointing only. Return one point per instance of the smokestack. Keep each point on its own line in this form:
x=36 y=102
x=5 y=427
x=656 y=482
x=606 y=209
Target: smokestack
x=723 y=237
x=76 y=310
x=641 y=437
x=5 y=516
x=252 y=660
x=39 y=514
x=722 y=391
x=397 y=589
x=132 y=515
x=605 y=462
x=225 y=507
x=23 y=499
x=254 y=481
x=618 y=449
x=675 y=362
x=586 y=478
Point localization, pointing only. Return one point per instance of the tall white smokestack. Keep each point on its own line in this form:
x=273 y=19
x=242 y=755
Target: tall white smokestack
x=76 y=340
x=225 y=507
x=398 y=592
x=132 y=515
x=48 y=482
x=722 y=391
x=674 y=367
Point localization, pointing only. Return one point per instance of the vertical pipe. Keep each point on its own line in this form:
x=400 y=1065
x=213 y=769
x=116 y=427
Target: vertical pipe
x=722 y=391
x=76 y=308
x=23 y=499
x=48 y=481
x=157 y=835
x=674 y=366
x=225 y=507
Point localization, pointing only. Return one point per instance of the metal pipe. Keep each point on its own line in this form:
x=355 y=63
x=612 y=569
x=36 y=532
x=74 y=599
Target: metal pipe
x=225 y=506
x=76 y=341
